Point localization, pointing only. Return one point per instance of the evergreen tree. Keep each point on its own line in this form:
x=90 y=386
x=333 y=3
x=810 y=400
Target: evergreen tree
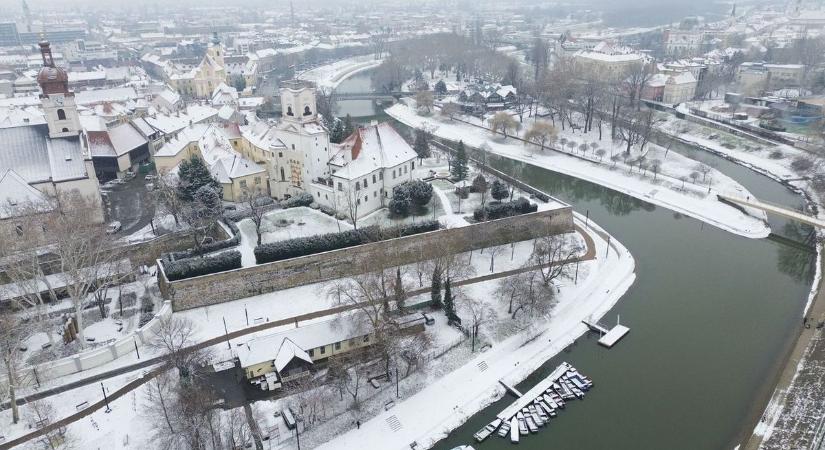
x=349 y=128
x=459 y=167
x=435 y=292
x=440 y=87
x=193 y=175
x=421 y=144
x=336 y=135
x=499 y=190
x=400 y=295
x=449 y=304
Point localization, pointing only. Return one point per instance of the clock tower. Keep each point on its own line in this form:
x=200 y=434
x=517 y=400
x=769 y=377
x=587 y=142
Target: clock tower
x=58 y=102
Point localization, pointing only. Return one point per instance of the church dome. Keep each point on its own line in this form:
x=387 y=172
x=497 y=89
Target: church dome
x=51 y=75
x=52 y=79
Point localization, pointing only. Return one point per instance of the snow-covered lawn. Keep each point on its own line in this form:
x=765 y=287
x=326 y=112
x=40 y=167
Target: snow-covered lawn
x=667 y=191
x=331 y=75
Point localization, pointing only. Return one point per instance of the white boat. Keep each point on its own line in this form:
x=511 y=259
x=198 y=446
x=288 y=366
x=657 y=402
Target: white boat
x=542 y=413
x=531 y=425
x=514 y=430
x=485 y=432
x=550 y=402
x=504 y=429
x=464 y=447
x=547 y=409
x=522 y=424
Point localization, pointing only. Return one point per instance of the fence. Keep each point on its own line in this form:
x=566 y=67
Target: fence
x=95 y=357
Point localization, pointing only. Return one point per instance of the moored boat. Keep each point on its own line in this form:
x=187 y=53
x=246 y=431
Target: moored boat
x=514 y=430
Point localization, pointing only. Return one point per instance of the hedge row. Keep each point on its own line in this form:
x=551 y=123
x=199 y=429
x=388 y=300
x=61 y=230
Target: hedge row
x=302 y=199
x=211 y=247
x=499 y=210
x=194 y=267
x=303 y=246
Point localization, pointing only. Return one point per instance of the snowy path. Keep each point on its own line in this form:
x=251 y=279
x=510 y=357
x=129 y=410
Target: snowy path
x=331 y=75
x=429 y=415
x=693 y=202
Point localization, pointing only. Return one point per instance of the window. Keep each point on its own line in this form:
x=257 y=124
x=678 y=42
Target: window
x=366 y=198
x=293 y=146
x=323 y=349
x=340 y=186
x=283 y=176
x=307 y=112
x=413 y=165
x=357 y=185
x=374 y=194
x=393 y=174
x=365 y=183
x=405 y=170
x=289 y=111
x=280 y=154
x=243 y=184
x=65 y=130
x=380 y=175
x=311 y=352
x=358 y=202
x=337 y=346
x=373 y=178
x=257 y=180
x=61 y=115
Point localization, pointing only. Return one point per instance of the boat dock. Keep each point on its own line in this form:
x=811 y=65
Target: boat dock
x=512 y=390
x=534 y=409
x=610 y=337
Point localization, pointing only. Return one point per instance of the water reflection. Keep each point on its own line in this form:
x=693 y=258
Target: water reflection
x=798 y=260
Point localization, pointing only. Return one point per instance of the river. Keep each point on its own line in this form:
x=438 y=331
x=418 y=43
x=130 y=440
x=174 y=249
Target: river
x=712 y=316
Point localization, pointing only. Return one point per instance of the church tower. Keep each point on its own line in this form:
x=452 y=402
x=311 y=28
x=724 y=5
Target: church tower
x=58 y=102
x=298 y=101
x=215 y=49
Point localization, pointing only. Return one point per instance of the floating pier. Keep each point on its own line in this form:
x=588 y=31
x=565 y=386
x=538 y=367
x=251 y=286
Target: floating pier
x=534 y=409
x=610 y=337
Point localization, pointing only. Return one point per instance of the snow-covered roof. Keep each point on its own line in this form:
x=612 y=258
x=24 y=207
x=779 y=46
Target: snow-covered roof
x=30 y=152
x=172 y=123
x=289 y=351
x=16 y=193
x=307 y=337
x=121 y=94
x=125 y=138
x=14 y=116
x=369 y=149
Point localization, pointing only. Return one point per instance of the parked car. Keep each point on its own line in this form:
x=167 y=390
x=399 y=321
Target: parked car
x=128 y=175
x=150 y=186
x=113 y=227
x=149 y=177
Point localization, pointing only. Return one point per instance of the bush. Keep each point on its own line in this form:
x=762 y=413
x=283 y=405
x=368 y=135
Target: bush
x=294 y=248
x=776 y=154
x=463 y=192
x=479 y=184
x=194 y=267
x=410 y=194
x=500 y=210
x=802 y=164
x=302 y=199
x=543 y=197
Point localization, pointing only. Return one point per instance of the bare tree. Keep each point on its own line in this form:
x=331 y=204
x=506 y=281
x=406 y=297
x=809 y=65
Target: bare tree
x=504 y=122
x=636 y=77
x=479 y=314
x=256 y=200
x=424 y=99
x=173 y=338
x=87 y=255
x=201 y=214
x=166 y=196
x=541 y=133
x=13 y=333
x=450 y=110
x=42 y=413
x=347 y=373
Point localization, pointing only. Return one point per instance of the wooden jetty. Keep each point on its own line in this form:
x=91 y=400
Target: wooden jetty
x=610 y=337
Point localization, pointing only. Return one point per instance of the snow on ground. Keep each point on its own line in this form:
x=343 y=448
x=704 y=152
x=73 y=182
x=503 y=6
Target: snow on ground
x=331 y=75
x=692 y=200
x=283 y=224
x=163 y=224
x=84 y=432
x=452 y=398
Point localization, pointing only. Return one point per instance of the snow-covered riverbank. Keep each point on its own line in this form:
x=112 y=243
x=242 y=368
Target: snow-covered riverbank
x=331 y=75
x=691 y=200
x=450 y=400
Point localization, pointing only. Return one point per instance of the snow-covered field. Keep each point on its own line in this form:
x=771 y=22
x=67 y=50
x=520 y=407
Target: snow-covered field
x=692 y=200
x=331 y=75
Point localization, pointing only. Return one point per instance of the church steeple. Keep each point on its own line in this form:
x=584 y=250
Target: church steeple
x=58 y=101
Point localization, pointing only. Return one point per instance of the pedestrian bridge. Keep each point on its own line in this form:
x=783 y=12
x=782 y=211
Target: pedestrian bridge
x=775 y=209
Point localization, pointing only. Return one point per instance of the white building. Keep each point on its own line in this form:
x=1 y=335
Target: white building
x=362 y=173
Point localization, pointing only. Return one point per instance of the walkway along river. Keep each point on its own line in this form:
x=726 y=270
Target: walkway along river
x=712 y=315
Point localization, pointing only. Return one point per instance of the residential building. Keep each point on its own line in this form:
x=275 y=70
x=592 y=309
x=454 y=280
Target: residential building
x=202 y=80
x=271 y=361
x=670 y=88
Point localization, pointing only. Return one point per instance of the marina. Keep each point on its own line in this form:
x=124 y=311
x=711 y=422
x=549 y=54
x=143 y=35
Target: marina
x=534 y=409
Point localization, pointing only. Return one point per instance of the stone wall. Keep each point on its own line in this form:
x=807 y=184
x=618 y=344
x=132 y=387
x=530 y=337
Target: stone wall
x=264 y=278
